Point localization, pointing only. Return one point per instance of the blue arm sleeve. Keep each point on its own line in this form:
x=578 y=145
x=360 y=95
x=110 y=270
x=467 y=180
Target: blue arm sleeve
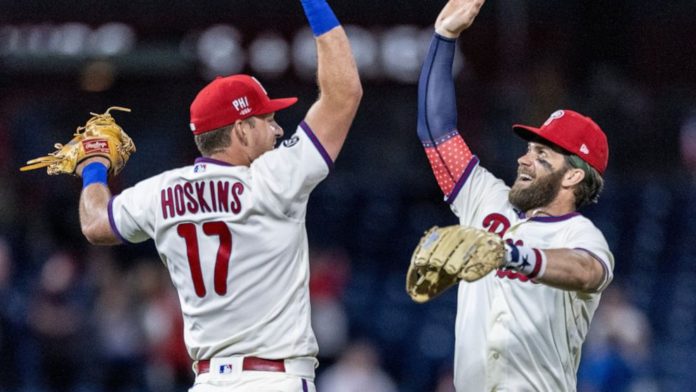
x=437 y=106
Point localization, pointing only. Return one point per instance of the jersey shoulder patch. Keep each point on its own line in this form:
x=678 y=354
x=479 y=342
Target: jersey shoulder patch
x=291 y=141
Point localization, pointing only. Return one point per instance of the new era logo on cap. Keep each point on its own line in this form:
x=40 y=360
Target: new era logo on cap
x=228 y=99
x=573 y=132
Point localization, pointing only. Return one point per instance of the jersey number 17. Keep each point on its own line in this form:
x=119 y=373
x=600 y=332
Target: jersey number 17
x=222 y=261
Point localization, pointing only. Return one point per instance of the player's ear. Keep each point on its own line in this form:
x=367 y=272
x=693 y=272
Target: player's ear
x=241 y=132
x=573 y=176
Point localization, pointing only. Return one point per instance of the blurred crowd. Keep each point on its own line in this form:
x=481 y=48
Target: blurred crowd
x=87 y=324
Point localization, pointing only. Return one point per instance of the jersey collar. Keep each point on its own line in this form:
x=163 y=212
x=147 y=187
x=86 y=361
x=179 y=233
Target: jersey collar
x=554 y=218
x=547 y=219
x=212 y=161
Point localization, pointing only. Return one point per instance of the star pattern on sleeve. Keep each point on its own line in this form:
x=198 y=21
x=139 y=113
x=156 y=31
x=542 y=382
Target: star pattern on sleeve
x=448 y=158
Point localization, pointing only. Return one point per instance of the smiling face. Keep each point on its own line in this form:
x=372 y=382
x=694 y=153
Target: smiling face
x=540 y=176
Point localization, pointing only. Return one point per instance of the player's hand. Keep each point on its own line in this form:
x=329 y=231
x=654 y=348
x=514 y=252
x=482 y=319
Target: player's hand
x=456 y=16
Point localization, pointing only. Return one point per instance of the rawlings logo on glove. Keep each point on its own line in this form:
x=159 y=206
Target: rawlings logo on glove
x=94 y=146
x=446 y=255
x=100 y=136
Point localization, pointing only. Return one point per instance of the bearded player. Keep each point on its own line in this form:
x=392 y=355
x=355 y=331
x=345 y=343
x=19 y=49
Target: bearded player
x=521 y=327
x=231 y=227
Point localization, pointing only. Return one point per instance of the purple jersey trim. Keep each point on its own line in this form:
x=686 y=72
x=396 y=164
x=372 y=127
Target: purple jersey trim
x=460 y=183
x=550 y=219
x=520 y=214
x=112 y=223
x=304 y=386
x=605 y=265
x=213 y=161
x=317 y=144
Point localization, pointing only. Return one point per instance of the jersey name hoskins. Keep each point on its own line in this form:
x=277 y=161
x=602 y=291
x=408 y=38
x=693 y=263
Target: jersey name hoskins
x=201 y=197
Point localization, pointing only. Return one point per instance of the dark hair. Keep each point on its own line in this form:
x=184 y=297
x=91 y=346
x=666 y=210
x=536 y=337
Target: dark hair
x=214 y=141
x=588 y=190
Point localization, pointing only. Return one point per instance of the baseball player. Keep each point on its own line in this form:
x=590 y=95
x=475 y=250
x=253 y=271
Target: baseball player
x=521 y=327
x=230 y=228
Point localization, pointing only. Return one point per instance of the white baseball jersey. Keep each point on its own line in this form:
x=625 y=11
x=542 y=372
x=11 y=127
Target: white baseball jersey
x=513 y=334
x=235 y=243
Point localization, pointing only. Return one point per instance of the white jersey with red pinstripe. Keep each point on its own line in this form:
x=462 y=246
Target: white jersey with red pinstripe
x=512 y=332
x=235 y=243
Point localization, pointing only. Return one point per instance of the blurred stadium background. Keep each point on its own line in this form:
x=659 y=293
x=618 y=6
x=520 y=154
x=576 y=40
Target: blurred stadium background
x=79 y=318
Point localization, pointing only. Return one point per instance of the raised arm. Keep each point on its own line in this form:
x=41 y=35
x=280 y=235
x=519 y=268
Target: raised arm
x=447 y=152
x=97 y=149
x=94 y=201
x=340 y=91
x=437 y=110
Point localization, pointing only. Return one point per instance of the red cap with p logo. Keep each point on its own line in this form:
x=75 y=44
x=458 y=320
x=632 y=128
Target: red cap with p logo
x=573 y=132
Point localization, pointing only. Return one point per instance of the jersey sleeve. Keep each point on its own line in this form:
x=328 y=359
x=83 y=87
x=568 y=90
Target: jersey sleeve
x=288 y=174
x=476 y=193
x=132 y=212
x=588 y=238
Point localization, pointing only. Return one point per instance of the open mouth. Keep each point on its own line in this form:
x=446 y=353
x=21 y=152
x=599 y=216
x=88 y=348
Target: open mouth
x=521 y=177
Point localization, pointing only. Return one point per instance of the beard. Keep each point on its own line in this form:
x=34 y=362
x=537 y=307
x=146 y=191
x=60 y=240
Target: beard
x=539 y=193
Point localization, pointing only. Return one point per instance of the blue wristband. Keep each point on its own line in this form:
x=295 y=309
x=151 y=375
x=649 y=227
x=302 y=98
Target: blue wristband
x=320 y=16
x=93 y=173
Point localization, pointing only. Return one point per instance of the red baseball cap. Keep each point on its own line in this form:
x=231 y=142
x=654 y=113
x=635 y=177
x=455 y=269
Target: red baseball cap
x=228 y=99
x=574 y=133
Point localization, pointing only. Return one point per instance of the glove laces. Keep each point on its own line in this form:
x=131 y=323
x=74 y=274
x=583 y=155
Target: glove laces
x=101 y=118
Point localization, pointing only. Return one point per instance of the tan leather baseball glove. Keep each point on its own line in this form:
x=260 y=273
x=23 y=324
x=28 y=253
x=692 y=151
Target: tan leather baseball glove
x=100 y=136
x=446 y=255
